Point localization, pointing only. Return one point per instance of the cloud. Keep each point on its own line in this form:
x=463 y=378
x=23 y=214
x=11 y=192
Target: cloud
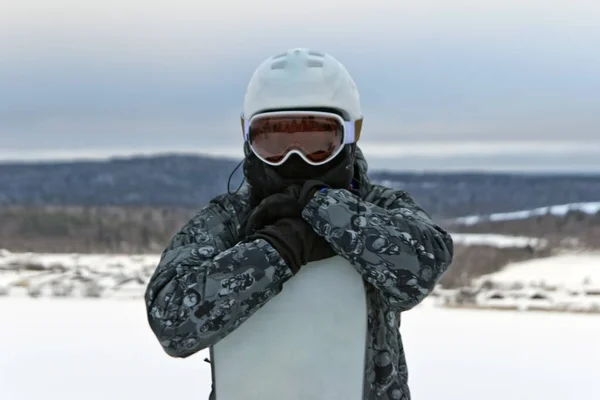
x=135 y=73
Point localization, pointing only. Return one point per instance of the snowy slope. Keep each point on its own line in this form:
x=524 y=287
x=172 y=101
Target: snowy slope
x=567 y=270
x=110 y=275
x=98 y=350
x=557 y=210
x=493 y=240
x=87 y=275
x=562 y=283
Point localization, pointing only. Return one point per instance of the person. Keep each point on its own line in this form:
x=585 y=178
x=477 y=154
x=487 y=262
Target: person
x=308 y=197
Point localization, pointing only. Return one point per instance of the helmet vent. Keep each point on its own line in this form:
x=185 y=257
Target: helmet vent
x=279 y=64
x=312 y=63
x=316 y=53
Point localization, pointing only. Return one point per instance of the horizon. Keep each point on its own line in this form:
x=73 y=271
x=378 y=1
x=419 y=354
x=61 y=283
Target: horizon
x=377 y=167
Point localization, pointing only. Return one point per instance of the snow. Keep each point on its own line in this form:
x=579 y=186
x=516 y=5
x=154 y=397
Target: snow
x=125 y=276
x=556 y=210
x=494 y=240
x=75 y=275
x=568 y=270
x=75 y=347
x=568 y=282
x=98 y=349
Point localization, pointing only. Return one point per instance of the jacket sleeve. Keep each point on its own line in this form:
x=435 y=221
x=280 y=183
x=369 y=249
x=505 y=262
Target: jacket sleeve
x=393 y=243
x=205 y=285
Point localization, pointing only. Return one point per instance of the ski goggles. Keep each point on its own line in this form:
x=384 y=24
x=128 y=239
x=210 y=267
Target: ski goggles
x=317 y=137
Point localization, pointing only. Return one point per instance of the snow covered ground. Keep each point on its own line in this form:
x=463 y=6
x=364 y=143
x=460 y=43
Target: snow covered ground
x=571 y=270
x=75 y=275
x=568 y=282
x=556 y=210
x=74 y=349
x=120 y=275
x=61 y=345
x=494 y=240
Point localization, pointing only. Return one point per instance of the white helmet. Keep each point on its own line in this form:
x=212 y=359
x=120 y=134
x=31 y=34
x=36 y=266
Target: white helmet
x=302 y=78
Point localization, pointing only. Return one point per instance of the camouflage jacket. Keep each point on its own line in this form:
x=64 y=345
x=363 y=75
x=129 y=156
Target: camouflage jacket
x=387 y=237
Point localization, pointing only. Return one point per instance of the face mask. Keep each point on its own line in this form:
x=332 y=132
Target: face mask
x=265 y=180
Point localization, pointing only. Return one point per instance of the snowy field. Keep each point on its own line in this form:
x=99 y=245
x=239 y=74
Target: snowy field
x=559 y=210
x=570 y=270
x=74 y=327
x=495 y=240
x=125 y=276
x=74 y=349
x=565 y=282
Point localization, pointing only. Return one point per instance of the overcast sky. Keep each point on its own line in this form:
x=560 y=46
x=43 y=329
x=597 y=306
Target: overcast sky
x=437 y=78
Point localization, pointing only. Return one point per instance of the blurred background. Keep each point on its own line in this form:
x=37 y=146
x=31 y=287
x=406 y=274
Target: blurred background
x=120 y=119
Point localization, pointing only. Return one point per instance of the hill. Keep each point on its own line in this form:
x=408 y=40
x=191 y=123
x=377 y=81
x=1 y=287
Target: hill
x=180 y=181
x=576 y=224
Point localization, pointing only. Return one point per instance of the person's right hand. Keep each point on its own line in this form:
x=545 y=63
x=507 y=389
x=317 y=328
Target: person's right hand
x=295 y=241
x=273 y=208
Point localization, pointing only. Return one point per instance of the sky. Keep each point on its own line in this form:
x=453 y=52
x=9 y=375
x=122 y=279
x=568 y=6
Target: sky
x=497 y=85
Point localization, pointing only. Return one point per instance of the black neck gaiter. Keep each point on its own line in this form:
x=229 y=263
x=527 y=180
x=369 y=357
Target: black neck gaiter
x=265 y=180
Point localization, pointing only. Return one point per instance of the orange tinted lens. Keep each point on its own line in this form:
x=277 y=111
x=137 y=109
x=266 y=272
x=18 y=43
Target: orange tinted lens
x=315 y=136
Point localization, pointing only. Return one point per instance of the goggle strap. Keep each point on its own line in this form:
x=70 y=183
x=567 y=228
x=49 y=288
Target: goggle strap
x=244 y=134
x=357 y=129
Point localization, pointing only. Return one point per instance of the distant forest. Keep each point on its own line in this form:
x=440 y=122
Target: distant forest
x=175 y=181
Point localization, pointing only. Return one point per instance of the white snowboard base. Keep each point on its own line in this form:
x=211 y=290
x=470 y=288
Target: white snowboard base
x=306 y=343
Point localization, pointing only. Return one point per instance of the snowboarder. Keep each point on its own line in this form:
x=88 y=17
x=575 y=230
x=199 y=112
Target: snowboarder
x=301 y=123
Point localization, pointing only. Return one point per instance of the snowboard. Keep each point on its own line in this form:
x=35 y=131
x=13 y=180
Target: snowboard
x=307 y=342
